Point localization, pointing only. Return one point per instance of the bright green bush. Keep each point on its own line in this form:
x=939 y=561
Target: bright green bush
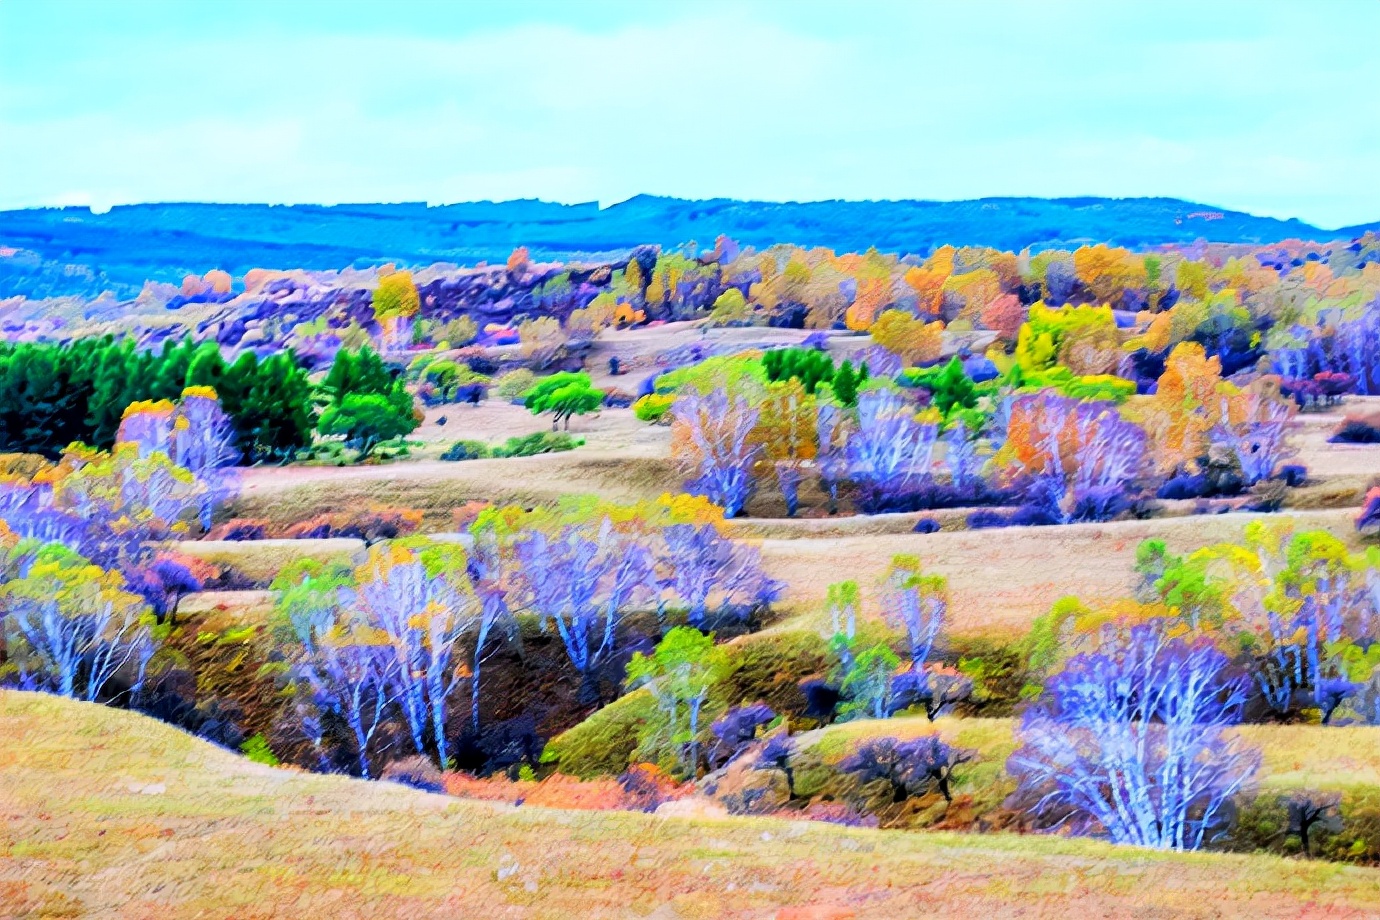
x=653 y=407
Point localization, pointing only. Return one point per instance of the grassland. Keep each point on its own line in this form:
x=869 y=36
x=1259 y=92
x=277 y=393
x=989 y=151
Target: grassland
x=111 y=814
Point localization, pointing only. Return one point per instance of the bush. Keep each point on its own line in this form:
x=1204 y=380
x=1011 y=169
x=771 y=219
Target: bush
x=467 y=450
x=1293 y=474
x=418 y=772
x=1183 y=486
x=541 y=442
x=603 y=744
x=927 y=525
x=984 y=520
x=370 y=524
x=1358 y=430
x=1368 y=521
x=256 y=749
x=240 y=529
x=513 y=385
x=618 y=399
x=653 y=407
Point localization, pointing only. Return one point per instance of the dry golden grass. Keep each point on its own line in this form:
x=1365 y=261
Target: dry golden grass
x=261 y=560
x=1000 y=580
x=110 y=814
x=1293 y=756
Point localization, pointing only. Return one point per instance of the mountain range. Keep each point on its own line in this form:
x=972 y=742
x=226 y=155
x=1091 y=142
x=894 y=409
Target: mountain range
x=48 y=252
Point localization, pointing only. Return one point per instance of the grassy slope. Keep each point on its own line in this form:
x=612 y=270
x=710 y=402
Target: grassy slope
x=110 y=813
x=1294 y=756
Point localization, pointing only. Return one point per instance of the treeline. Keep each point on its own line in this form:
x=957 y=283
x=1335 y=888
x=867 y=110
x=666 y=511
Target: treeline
x=54 y=394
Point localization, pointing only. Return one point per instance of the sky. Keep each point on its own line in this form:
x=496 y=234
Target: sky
x=1260 y=106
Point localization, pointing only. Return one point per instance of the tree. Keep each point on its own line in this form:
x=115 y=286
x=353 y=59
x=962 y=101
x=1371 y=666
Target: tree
x=680 y=673
x=916 y=603
x=415 y=600
x=563 y=395
x=891 y=452
x=1260 y=440
x=582 y=586
x=367 y=420
x=908 y=768
x=710 y=440
x=164 y=582
x=71 y=627
x=1128 y=742
x=706 y=565
x=1076 y=460
x=203 y=441
x=949 y=386
x=360 y=372
x=395 y=301
x=542 y=341
x=916 y=341
x=867 y=684
x=842 y=601
x=845 y=384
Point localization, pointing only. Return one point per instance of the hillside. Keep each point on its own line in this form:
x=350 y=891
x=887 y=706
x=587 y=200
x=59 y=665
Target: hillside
x=117 y=815
x=61 y=251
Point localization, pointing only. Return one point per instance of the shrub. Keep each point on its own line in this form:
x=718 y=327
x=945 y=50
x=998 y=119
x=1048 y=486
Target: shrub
x=256 y=748
x=511 y=386
x=467 y=450
x=418 y=772
x=984 y=519
x=1293 y=474
x=370 y=524
x=1358 y=430
x=653 y=407
x=1368 y=521
x=1184 y=485
x=540 y=442
x=618 y=399
x=926 y=525
x=603 y=744
x=240 y=529
x=908 y=768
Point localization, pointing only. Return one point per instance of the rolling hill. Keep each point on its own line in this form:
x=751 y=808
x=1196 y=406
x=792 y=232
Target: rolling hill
x=61 y=251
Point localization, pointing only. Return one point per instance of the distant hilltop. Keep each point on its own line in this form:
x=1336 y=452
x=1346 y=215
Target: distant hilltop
x=47 y=252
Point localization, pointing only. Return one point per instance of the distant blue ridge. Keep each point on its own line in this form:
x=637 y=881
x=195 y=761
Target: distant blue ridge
x=73 y=251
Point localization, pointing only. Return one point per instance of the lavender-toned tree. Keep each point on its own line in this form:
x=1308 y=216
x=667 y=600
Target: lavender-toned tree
x=1128 y=742
x=891 y=452
x=711 y=441
x=582 y=586
x=715 y=577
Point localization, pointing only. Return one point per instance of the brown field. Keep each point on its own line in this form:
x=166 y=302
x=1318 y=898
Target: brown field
x=118 y=816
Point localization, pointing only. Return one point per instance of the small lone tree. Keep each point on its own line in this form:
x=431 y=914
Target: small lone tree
x=680 y=673
x=395 y=302
x=563 y=395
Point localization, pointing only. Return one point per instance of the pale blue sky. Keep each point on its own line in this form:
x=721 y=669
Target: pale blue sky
x=1261 y=106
